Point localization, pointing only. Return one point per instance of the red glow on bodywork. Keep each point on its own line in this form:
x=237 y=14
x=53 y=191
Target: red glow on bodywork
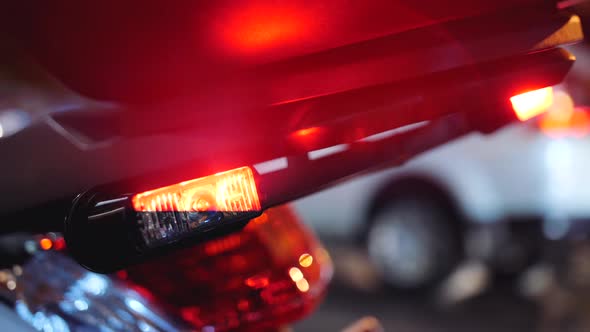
x=307 y=132
x=307 y=138
x=257 y=282
x=59 y=244
x=222 y=245
x=259 y=26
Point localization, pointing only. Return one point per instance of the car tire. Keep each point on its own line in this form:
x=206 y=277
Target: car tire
x=414 y=240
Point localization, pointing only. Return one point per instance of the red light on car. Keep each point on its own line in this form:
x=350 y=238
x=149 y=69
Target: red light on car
x=275 y=274
x=59 y=244
x=530 y=104
x=233 y=191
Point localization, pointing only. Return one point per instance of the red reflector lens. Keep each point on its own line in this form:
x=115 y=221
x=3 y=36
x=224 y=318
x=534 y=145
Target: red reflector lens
x=233 y=191
x=269 y=274
x=530 y=104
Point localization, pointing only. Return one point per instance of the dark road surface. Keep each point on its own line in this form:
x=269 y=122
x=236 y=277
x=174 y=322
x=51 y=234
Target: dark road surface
x=498 y=310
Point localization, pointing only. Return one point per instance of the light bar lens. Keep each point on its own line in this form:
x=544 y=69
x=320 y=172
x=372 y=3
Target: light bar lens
x=530 y=104
x=233 y=191
x=169 y=213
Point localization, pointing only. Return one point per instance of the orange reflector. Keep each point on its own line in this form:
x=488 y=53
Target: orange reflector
x=575 y=123
x=45 y=243
x=233 y=191
x=305 y=260
x=530 y=104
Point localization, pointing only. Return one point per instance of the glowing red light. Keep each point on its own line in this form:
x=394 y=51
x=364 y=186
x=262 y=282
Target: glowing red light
x=233 y=190
x=254 y=27
x=224 y=244
x=122 y=274
x=59 y=244
x=307 y=132
x=257 y=282
x=260 y=220
x=243 y=305
x=307 y=138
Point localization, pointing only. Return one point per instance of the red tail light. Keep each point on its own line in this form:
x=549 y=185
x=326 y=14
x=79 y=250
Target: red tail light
x=530 y=104
x=51 y=241
x=271 y=273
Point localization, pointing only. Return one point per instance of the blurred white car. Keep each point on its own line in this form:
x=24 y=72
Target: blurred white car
x=489 y=196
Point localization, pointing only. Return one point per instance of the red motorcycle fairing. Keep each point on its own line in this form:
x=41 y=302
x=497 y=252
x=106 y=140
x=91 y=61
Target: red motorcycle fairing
x=146 y=50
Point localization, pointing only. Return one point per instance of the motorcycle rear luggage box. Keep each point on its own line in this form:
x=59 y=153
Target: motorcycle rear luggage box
x=138 y=50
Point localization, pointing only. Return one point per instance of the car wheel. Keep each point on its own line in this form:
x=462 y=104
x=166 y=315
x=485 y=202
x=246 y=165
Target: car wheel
x=413 y=242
